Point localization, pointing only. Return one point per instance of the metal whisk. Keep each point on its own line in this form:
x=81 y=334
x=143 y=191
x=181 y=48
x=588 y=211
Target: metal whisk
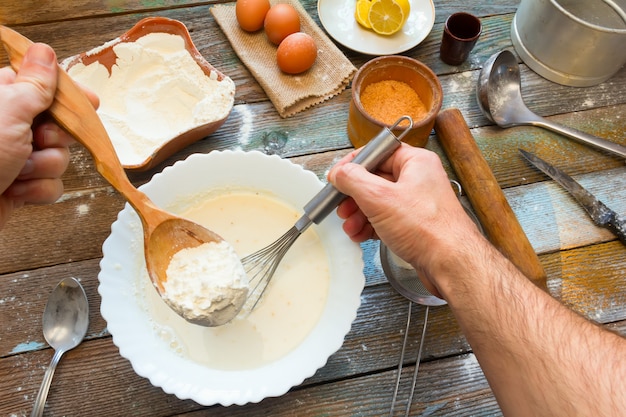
x=261 y=265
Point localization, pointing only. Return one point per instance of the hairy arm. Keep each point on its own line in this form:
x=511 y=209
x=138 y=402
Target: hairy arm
x=540 y=358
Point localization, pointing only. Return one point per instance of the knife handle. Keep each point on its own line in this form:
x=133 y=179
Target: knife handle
x=617 y=224
x=483 y=191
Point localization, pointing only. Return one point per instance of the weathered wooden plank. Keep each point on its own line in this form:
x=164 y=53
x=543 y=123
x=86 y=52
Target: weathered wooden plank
x=23 y=296
x=590 y=280
x=451 y=386
x=78 y=377
x=31 y=11
x=323 y=129
x=500 y=146
x=554 y=220
x=69 y=231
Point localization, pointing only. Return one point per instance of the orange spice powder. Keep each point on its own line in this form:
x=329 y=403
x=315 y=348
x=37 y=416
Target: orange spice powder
x=388 y=100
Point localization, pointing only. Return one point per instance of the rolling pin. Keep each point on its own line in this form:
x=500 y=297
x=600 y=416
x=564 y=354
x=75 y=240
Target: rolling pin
x=492 y=209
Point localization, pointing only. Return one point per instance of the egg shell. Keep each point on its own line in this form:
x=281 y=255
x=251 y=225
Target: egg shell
x=281 y=21
x=296 y=53
x=251 y=14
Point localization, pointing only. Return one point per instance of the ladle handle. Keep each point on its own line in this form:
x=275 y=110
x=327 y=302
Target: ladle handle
x=72 y=109
x=586 y=138
x=483 y=191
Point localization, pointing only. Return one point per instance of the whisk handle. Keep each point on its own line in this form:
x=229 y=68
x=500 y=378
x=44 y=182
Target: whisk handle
x=373 y=154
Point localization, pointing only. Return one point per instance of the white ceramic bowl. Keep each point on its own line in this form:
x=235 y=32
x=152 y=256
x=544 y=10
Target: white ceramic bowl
x=123 y=268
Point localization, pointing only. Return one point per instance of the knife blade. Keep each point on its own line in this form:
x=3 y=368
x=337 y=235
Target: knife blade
x=600 y=214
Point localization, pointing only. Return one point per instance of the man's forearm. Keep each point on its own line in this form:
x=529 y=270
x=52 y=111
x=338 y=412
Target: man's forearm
x=539 y=357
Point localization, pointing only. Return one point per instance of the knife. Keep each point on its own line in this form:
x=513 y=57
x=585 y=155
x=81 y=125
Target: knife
x=600 y=214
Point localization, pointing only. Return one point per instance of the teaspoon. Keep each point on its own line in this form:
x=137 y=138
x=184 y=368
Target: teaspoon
x=500 y=99
x=164 y=233
x=65 y=322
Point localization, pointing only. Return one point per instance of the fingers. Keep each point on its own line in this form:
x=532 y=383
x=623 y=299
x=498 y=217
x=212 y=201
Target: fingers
x=34 y=152
x=358 y=228
x=39 y=181
x=36 y=191
x=355 y=224
x=24 y=95
x=346 y=208
x=47 y=163
x=50 y=135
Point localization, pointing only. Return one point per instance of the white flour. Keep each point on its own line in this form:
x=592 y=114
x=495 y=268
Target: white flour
x=155 y=91
x=207 y=283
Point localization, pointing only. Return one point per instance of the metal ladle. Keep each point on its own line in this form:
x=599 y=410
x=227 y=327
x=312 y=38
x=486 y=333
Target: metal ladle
x=164 y=233
x=500 y=99
x=65 y=322
x=404 y=279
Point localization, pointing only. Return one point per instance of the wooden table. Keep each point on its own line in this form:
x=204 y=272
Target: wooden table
x=586 y=266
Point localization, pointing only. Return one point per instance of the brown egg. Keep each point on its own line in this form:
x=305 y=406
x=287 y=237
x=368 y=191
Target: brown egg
x=281 y=21
x=296 y=53
x=251 y=14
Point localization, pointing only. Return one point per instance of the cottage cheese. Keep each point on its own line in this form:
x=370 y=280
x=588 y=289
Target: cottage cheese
x=155 y=92
x=206 y=284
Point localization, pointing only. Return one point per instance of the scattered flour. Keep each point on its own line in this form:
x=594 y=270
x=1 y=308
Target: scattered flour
x=206 y=284
x=246 y=124
x=155 y=92
x=588 y=103
x=82 y=209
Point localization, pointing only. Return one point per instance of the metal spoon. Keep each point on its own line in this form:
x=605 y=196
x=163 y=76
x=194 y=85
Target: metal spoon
x=65 y=322
x=164 y=233
x=499 y=97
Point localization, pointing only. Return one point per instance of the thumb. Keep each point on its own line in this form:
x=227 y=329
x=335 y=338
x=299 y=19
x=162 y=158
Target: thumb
x=37 y=79
x=354 y=180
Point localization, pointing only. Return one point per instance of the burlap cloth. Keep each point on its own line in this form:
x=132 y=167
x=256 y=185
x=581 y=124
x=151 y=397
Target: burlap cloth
x=290 y=94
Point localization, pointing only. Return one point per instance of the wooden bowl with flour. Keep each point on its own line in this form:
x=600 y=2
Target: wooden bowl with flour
x=157 y=92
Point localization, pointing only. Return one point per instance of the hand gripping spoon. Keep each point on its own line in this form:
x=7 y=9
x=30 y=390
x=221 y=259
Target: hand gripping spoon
x=65 y=323
x=164 y=233
x=500 y=99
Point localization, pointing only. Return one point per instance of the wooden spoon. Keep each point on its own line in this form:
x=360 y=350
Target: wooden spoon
x=164 y=233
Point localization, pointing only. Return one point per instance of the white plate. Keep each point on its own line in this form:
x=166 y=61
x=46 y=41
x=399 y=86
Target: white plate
x=123 y=302
x=337 y=17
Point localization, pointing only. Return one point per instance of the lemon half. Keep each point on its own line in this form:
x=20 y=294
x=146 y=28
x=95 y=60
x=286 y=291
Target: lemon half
x=361 y=13
x=387 y=17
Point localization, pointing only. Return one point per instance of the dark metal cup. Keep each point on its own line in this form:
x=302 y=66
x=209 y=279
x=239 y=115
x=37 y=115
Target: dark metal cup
x=460 y=33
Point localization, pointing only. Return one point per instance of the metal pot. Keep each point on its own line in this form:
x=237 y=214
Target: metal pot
x=572 y=42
